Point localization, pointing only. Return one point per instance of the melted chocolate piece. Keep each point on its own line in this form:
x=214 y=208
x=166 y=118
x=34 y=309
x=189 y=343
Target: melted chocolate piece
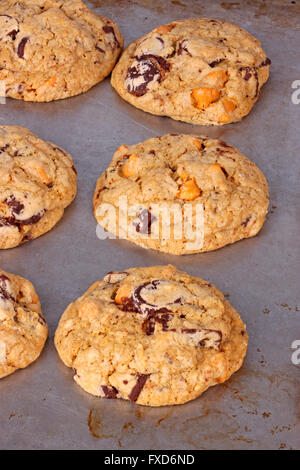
x=27 y=238
x=267 y=61
x=13 y=32
x=148 y=326
x=21 y=47
x=215 y=62
x=135 y=392
x=99 y=49
x=224 y=171
x=182 y=48
x=208 y=333
x=8 y=221
x=109 y=392
x=4 y=148
x=128 y=305
x=149 y=66
x=110 y=30
x=189 y=331
x=248 y=72
x=4 y=294
x=15 y=205
x=146 y=220
x=246 y=221
x=32 y=220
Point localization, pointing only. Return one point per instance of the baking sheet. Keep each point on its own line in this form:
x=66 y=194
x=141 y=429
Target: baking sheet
x=41 y=407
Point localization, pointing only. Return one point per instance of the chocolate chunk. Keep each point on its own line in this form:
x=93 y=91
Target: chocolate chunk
x=163 y=319
x=8 y=27
x=15 y=205
x=147 y=68
x=143 y=306
x=189 y=331
x=215 y=62
x=224 y=144
x=99 y=49
x=110 y=30
x=182 y=48
x=257 y=83
x=224 y=171
x=8 y=221
x=248 y=72
x=59 y=150
x=246 y=221
x=128 y=305
x=135 y=392
x=146 y=219
x=13 y=34
x=205 y=337
x=21 y=47
x=148 y=326
x=34 y=219
x=109 y=392
x=267 y=61
x=138 y=299
x=4 y=148
x=41 y=319
x=4 y=294
x=27 y=238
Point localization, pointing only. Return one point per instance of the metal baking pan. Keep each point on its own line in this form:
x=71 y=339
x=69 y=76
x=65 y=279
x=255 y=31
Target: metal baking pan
x=258 y=408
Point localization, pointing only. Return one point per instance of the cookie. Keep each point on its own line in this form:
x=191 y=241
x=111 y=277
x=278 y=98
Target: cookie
x=37 y=182
x=155 y=336
x=181 y=194
x=23 y=329
x=202 y=71
x=53 y=49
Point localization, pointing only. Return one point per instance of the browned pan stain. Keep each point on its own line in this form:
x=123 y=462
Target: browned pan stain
x=95 y=425
x=128 y=427
x=283 y=14
x=156 y=6
x=176 y=2
x=161 y=420
x=243 y=439
x=277 y=429
x=228 y=5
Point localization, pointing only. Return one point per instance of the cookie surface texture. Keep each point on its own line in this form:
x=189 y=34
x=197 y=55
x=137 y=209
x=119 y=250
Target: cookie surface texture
x=53 y=49
x=202 y=71
x=181 y=194
x=23 y=329
x=37 y=182
x=155 y=336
